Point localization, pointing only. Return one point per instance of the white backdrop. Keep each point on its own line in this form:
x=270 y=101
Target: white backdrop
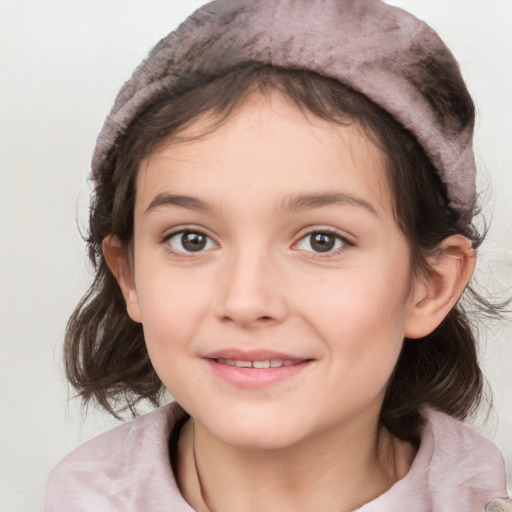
x=61 y=64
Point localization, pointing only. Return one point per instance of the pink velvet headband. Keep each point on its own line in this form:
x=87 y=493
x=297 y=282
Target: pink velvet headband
x=396 y=60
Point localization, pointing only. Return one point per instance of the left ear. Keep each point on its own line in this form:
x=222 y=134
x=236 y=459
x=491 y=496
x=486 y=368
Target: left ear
x=435 y=294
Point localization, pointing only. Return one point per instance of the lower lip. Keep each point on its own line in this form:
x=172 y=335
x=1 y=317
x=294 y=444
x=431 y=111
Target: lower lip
x=255 y=377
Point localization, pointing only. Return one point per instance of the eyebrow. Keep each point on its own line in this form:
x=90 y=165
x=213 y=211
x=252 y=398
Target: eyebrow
x=318 y=200
x=291 y=204
x=180 y=200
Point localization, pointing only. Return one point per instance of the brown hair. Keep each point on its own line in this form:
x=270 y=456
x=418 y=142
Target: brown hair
x=105 y=353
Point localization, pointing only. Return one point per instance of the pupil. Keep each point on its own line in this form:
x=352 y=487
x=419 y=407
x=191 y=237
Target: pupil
x=322 y=242
x=193 y=241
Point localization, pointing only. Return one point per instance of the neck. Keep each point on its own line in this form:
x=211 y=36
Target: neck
x=338 y=471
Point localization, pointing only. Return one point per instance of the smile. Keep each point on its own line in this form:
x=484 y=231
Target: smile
x=254 y=369
x=269 y=363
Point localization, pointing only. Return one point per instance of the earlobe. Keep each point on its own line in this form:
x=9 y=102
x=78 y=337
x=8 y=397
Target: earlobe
x=117 y=259
x=437 y=293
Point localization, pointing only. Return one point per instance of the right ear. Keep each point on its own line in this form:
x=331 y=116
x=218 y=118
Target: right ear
x=117 y=258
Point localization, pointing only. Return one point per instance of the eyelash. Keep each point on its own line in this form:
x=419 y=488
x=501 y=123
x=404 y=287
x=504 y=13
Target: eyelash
x=184 y=254
x=330 y=232
x=345 y=243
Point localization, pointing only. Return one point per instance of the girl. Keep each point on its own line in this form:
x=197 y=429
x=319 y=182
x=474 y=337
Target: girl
x=281 y=230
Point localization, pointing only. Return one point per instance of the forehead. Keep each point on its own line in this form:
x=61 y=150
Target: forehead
x=266 y=150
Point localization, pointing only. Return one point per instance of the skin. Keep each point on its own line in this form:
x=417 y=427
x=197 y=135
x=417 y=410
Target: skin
x=260 y=284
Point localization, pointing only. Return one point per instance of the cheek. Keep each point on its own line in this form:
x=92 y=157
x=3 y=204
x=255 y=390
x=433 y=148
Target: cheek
x=171 y=310
x=360 y=315
x=169 y=326
x=365 y=299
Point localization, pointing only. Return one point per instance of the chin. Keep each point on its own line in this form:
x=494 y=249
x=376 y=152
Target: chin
x=255 y=431
x=258 y=440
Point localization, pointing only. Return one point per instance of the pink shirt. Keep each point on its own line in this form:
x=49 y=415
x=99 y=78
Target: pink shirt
x=128 y=469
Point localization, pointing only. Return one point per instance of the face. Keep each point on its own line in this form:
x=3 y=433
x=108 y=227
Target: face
x=269 y=274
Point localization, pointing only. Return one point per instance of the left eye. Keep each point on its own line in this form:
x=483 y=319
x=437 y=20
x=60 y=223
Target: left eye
x=190 y=241
x=321 y=242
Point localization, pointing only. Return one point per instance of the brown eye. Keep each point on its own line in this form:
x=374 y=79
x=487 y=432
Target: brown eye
x=190 y=241
x=321 y=242
x=193 y=242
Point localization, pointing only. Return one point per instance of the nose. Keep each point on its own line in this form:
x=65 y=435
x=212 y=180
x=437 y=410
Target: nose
x=252 y=292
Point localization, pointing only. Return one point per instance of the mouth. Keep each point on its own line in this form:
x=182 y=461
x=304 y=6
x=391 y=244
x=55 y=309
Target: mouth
x=255 y=369
x=267 y=363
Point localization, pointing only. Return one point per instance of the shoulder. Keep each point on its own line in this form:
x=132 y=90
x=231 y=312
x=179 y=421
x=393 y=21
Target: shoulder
x=465 y=467
x=126 y=468
x=454 y=442
x=455 y=468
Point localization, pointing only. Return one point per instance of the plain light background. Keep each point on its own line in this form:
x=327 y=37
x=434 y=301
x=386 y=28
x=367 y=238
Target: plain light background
x=61 y=65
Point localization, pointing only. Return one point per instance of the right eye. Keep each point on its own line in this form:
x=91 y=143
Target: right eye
x=189 y=241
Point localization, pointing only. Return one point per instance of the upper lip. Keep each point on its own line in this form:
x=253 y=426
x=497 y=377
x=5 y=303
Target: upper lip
x=252 y=355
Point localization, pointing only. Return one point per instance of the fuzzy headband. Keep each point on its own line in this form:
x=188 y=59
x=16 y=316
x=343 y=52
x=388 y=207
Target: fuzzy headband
x=393 y=58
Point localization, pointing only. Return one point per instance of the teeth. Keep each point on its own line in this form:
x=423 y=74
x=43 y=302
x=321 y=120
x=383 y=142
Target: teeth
x=261 y=364
x=243 y=364
x=273 y=363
